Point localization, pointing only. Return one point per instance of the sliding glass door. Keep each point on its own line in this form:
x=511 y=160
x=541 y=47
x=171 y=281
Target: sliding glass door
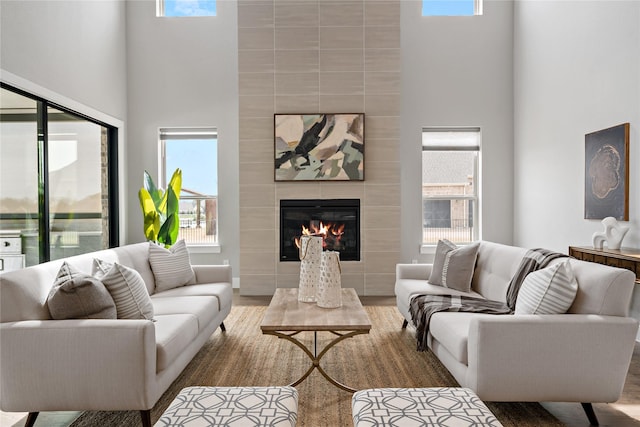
x=19 y=175
x=58 y=169
x=75 y=170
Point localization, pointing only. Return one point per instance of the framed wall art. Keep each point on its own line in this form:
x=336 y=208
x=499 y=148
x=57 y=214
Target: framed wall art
x=319 y=147
x=606 y=182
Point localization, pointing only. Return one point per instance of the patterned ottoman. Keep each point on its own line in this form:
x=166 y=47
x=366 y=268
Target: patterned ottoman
x=420 y=407
x=232 y=406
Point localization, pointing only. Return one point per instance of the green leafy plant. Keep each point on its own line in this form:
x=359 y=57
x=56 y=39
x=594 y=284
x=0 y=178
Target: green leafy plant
x=160 y=209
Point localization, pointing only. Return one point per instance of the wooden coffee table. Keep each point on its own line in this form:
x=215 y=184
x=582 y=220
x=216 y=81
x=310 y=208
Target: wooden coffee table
x=286 y=317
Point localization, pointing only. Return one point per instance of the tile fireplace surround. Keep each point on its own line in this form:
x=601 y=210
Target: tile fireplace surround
x=319 y=57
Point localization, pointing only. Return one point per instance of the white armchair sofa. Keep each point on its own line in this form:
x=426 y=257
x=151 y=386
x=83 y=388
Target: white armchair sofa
x=102 y=364
x=581 y=356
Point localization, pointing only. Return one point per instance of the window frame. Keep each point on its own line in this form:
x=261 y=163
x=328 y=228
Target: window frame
x=429 y=247
x=161 y=11
x=477 y=9
x=189 y=133
x=43 y=105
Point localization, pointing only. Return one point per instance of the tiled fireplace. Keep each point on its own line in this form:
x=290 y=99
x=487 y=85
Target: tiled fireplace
x=337 y=221
x=317 y=56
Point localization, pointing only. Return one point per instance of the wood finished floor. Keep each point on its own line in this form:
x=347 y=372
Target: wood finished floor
x=624 y=413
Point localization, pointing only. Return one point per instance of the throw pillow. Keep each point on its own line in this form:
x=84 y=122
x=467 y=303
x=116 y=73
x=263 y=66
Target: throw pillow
x=442 y=249
x=171 y=267
x=550 y=290
x=76 y=295
x=67 y=272
x=127 y=289
x=459 y=265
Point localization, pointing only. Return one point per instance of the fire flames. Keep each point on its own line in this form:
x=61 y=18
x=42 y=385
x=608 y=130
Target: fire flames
x=331 y=234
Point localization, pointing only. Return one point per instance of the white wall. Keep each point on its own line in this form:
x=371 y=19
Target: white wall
x=183 y=72
x=457 y=71
x=72 y=53
x=577 y=70
x=73 y=48
x=567 y=69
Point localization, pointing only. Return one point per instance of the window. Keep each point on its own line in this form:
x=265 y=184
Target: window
x=450 y=184
x=58 y=178
x=451 y=7
x=185 y=8
x=195 y=151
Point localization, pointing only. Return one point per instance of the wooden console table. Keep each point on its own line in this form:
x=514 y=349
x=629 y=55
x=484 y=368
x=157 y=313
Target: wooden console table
x=624 y=258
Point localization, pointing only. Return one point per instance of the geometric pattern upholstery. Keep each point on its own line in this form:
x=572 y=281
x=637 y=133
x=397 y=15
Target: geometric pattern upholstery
x=420 y=407
x=232 y=407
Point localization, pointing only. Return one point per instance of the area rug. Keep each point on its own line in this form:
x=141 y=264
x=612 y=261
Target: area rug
x=385 y=358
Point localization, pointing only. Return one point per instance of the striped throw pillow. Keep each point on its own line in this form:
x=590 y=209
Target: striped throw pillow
x=127 y=289
x=458 y=268
x=547 y=291
x=171 y=267
x=442 y=249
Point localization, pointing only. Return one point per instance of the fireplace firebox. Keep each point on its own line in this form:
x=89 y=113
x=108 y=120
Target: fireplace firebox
x=336 y=220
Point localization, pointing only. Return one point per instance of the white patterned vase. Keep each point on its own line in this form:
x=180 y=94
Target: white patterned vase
x=310 y=254
x=330 y=286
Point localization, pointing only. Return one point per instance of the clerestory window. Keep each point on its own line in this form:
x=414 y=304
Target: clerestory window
x=451 y=7
x=185 y=8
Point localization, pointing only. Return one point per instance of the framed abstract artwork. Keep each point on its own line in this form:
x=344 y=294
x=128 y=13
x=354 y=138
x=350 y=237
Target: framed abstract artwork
x=606 y=181
x=319 y=147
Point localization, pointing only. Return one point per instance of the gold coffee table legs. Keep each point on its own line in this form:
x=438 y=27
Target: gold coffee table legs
x=315 y=356
x=286 y=317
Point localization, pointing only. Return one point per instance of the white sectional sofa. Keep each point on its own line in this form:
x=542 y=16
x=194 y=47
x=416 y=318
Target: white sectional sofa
x=102 y=364
x=581 y=356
